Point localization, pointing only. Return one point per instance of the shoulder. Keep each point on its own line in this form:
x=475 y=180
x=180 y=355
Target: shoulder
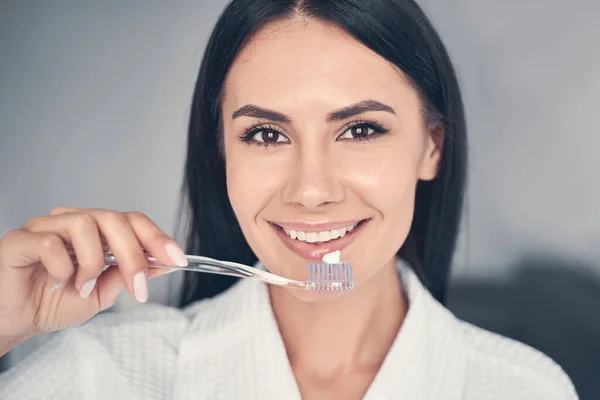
x=134 y=350
x=492 y=367
x=506 y=368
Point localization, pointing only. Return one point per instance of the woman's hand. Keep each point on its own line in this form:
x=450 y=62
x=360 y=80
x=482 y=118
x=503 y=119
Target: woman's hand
x=42 y=289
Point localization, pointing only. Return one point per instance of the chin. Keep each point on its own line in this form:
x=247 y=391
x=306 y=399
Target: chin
x=313 y=296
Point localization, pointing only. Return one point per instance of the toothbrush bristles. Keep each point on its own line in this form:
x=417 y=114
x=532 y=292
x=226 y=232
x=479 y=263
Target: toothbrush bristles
x=330 y=277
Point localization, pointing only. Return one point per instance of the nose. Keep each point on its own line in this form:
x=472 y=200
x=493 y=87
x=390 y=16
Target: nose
x=314 y=182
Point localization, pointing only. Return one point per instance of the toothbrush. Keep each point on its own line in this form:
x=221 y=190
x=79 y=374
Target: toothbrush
x=329 y=271
x=331 y=275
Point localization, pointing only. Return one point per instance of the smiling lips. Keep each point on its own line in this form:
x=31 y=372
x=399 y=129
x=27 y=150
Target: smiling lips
x=320 y=237
x=311 y=242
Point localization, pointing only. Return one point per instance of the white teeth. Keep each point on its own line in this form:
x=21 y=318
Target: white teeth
x=324 y=236
x=321 y=237
x=311 y=237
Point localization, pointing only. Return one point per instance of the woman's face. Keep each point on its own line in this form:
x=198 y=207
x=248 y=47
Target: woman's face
x=324 y=143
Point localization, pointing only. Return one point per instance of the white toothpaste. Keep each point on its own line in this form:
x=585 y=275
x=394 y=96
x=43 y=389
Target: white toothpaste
x=332 y=258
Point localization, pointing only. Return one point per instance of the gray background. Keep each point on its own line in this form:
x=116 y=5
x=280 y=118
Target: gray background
x=94 y=99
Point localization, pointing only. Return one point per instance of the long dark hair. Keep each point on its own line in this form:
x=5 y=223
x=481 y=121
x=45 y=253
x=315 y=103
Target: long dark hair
x=399 y=31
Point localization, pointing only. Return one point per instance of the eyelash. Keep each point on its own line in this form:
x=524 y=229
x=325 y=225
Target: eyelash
x=249 y=134
x=378 y=131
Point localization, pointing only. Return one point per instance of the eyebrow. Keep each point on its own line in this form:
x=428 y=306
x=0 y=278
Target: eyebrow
x=251 y=110
x=259 y=112
x=358 y=108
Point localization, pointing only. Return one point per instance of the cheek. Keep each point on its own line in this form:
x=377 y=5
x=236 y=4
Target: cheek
x=252 y=181
x=384 y=178
x=385 y=181
x=244 y=197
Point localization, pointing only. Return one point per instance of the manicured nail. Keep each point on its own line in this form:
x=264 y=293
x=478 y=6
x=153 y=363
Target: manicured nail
x=176 y=254
x=140 y=287
x=87 y=288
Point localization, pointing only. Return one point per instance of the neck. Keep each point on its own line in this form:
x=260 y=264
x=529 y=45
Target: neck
x=351 y=333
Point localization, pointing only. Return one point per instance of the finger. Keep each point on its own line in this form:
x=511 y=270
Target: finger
x=62 y=210
x=81 y=231
x=111 y=284
x=91 y=211
x=20 y=249
x=127 y=250
x=156 y=241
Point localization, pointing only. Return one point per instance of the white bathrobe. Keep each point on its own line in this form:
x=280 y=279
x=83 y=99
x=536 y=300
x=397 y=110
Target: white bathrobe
x=230 y=348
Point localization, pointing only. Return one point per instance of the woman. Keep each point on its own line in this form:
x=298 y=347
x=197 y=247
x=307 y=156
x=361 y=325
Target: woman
x=311 y=121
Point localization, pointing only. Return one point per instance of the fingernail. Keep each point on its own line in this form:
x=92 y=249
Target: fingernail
x=140 y=287
x=176 y=254
x=87 y=288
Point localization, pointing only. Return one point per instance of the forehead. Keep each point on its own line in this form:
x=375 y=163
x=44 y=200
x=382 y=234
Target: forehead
x=305 y=59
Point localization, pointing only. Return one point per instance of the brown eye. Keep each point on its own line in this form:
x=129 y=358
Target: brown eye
x=269 y=136
x=359 y=131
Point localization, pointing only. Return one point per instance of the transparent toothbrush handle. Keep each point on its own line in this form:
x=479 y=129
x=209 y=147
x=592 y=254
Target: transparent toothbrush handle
x=195 y=263
x=212 y=266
